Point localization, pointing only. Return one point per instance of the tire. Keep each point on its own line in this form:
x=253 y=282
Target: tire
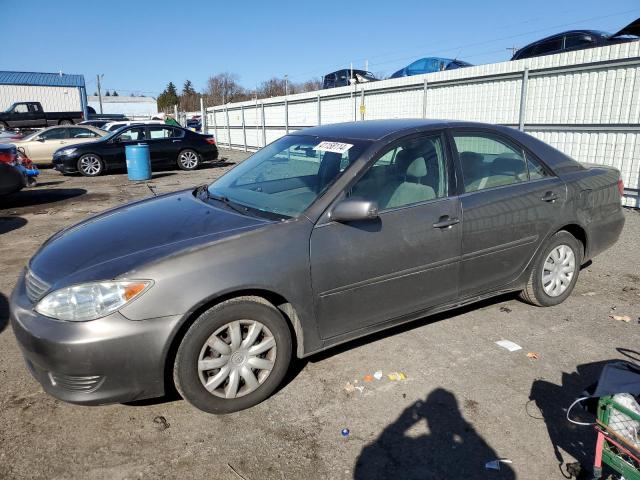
x=547 y=286
x=4 y=126
x=90 y=165
x=188 y=159
x=231 y=368
x=65 y=122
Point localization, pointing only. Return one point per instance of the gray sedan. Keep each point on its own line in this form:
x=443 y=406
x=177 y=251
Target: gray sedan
x=323 y=236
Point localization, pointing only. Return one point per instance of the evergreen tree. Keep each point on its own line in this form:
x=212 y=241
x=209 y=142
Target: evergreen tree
x=107 y=94
x=115 y=94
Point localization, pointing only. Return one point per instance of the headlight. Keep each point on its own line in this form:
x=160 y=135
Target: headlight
x=89 y=301
x=66 y=151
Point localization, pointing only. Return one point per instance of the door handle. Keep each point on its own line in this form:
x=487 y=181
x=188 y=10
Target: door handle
x=445 y=221
x=549 y=197
x=177 y=141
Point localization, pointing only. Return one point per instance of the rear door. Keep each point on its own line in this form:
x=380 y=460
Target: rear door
x=164 y=143
x=371 y=272
x=510 y=202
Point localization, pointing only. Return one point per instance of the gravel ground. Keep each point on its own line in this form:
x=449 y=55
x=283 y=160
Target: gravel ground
x=465 y=401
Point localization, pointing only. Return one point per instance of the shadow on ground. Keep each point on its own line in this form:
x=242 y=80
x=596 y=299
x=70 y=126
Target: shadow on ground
x=4 y=312
x=36 y=196
x=429 y=440
x=8 y=224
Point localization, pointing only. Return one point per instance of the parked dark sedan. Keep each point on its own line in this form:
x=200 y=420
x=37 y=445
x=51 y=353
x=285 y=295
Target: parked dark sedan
x=323 y=236
x=578 y=40
x=168 y=146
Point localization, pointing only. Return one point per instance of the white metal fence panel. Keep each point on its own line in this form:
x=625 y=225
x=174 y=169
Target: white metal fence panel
x=585 y=103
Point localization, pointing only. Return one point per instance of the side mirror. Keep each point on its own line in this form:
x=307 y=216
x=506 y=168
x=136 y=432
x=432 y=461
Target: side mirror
x=40 y=139
x=117 y=140
x=351 y=210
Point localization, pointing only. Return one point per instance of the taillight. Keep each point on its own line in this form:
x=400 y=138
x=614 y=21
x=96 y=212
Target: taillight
x=9 y=158
x=621 y=187
x=210 y=140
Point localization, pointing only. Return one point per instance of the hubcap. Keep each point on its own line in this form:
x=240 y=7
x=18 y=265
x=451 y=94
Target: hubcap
x=558 y=270
x=237 y=358
x=90 y=165
x=189 y=159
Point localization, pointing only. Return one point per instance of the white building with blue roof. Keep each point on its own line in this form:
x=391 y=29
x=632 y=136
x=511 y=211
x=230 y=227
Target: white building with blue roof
x=57 y=92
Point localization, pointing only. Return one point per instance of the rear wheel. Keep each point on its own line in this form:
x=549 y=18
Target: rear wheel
x=65 y=122
x=188 y=159
x=233 y=356
x=555 y=272
x=90 y=165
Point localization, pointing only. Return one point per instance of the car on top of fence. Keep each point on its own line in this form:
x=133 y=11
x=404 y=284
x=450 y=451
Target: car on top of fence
x=325 y=235
x=430 y=65
x=347 y=76
x=578 y=40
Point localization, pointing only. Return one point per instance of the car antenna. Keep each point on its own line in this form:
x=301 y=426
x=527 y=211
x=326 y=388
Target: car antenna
x=152 y=190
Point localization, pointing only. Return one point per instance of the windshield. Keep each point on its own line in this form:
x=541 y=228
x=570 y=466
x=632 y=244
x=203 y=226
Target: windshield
x=287 y=176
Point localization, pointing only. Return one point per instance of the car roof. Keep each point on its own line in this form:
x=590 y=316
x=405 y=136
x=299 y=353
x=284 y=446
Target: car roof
x=378 y=129
x=599 y=33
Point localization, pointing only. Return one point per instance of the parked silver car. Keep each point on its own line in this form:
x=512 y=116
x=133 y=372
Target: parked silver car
x=323 y=236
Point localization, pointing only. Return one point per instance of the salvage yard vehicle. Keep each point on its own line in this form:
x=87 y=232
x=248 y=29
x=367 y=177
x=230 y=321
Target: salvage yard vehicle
x=578 y=40
x=16 y=170
x=115 y=125
x=31 y=114
x=168 y=146
x=430 y=65
x=325 y=235
x=40 y=146
x=344 y=77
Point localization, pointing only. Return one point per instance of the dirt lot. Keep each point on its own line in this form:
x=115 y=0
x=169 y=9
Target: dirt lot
x=465 y=401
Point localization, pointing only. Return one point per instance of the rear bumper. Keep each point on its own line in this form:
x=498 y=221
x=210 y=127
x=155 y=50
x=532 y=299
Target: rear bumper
x=112 y=359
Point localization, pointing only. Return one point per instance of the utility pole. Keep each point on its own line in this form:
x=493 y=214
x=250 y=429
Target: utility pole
x=513 y=50
x=286 y=85
x=98 y=77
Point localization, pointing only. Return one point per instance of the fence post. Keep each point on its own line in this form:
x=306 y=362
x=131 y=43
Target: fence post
x=244 y=128
x=226 y=111
x=319 y=112
x=215 y=125
x=362 y=103
x=286 y=116
x=424 y=99
x=523 y=98
x=264 y=131
x=203 y=118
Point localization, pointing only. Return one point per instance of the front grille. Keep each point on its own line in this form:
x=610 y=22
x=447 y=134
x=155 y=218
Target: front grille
x=36 y=287
x=76 y=383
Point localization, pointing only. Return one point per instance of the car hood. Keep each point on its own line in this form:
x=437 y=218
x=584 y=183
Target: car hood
x=120 y=240
x=632 y=29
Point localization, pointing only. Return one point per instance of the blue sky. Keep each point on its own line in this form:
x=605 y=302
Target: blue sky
x=141 y=45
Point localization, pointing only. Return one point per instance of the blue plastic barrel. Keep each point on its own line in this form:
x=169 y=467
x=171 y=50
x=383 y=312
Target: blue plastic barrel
x=138 y=161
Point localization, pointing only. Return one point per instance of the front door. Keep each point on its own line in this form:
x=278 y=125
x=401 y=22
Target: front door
x=509 y=204
x=113 y=152
x=41 y=147
x=369 y=272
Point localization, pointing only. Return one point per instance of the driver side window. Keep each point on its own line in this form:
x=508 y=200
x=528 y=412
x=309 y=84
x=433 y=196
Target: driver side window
x=53 y=134
x=133 y=135
x=412 y=171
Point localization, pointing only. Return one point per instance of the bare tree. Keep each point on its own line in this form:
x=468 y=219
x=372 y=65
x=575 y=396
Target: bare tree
x=274 y=87
x=310 y=85
x=224 y=88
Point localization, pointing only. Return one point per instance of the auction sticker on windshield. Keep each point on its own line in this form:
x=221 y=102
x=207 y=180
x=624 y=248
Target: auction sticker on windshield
x=335 y=147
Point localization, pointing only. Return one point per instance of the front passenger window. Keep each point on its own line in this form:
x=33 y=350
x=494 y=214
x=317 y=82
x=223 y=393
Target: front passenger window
x=412 y=171
x=488 y=161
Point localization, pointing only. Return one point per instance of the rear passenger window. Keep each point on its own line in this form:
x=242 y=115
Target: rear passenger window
x=413 y=171
x=488 y=161
x=536 y=170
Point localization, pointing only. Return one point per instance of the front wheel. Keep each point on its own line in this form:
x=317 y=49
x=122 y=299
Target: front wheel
x=555 y=272
x=233 y=356
x=90 y=165
x=188 y=160
x=65 y=122
x=3 y=126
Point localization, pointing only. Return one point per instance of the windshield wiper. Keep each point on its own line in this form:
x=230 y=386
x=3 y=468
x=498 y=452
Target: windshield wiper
x=221 y=198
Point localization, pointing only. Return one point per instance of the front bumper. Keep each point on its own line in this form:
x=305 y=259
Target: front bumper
x=108 y=360
x=65 y=164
